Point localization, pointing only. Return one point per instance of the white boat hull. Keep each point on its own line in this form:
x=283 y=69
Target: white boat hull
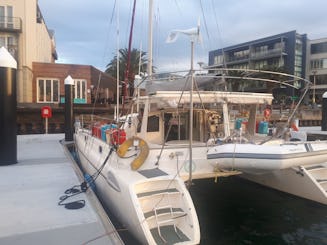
x=309 y=182
x=131 y=197
x=259 y=159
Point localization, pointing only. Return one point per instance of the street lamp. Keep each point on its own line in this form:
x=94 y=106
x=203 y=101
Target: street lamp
x=314 y=88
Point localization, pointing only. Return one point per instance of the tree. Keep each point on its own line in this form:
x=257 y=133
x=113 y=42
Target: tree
x=135 y=64
x=236 y=83
x=138 y=62
x=272 y=76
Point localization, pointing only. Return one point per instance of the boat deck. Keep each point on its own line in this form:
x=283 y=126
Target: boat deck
x=168 y=233
x=30 y=192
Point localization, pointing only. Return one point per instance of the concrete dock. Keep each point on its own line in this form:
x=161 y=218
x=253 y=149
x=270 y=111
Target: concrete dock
x=30 y=192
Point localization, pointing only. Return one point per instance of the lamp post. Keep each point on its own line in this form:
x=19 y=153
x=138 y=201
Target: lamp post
x=314 y=88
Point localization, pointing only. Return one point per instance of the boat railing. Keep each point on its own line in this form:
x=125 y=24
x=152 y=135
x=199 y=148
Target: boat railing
x=89 y=120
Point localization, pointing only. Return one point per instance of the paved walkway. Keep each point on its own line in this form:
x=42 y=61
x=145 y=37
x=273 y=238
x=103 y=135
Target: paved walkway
x=30 y=192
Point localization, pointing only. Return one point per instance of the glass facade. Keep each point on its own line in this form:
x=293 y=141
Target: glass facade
x=298 y=59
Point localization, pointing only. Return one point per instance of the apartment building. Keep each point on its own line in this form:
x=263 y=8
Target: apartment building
x=317 y=68
x=286 y=51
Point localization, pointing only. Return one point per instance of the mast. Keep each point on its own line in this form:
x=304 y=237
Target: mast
x=117 y=67
x=150 y=34
x=191 y=118
x=128 y=65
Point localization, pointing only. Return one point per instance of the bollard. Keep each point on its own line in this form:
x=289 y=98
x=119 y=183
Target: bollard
x=324 y=112
x=69 y=89
x=8 y=108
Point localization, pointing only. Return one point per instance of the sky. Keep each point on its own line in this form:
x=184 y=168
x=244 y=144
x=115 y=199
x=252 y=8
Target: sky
x=90 y=32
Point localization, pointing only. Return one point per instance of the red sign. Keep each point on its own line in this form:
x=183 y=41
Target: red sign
x=46 y=112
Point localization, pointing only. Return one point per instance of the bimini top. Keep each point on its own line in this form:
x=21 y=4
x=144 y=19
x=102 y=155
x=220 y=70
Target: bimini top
x=171 y=98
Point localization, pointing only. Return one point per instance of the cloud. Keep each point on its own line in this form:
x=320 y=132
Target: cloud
x=86 y=31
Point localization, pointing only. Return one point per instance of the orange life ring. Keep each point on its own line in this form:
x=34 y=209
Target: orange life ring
x=144 y=151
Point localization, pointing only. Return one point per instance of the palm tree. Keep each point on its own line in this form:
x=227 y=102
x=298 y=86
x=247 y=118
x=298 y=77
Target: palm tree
x=138 y=62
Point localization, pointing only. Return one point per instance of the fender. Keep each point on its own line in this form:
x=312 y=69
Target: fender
x=144 y=151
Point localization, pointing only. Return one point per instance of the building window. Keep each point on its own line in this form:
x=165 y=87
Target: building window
x=279 y=46
x=260 y=64
x=261 y=49
x=80 y=91
x=218 y=60
x=47 y=90
x=319 y=48
x=243 y=54
x=318 y=64
x=10 y=43
x=6 y=17
x=243 y=66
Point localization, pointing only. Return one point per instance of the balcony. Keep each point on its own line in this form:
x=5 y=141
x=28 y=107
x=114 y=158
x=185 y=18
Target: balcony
x=237 y=59
x=268 y=53
x=10 y=24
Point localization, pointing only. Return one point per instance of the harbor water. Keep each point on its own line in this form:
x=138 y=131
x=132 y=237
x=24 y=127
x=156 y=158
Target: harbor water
x=237 y=211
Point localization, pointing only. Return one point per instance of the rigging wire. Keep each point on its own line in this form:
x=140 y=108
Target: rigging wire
x=204 y=20
x=220 y=40
x=110 y=23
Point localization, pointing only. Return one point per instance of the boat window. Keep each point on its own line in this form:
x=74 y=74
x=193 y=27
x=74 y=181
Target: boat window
x=176 y=126
x=153 y=123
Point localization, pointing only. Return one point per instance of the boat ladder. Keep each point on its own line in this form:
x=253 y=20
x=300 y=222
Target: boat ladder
x=319 y=173
x=170 y=220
